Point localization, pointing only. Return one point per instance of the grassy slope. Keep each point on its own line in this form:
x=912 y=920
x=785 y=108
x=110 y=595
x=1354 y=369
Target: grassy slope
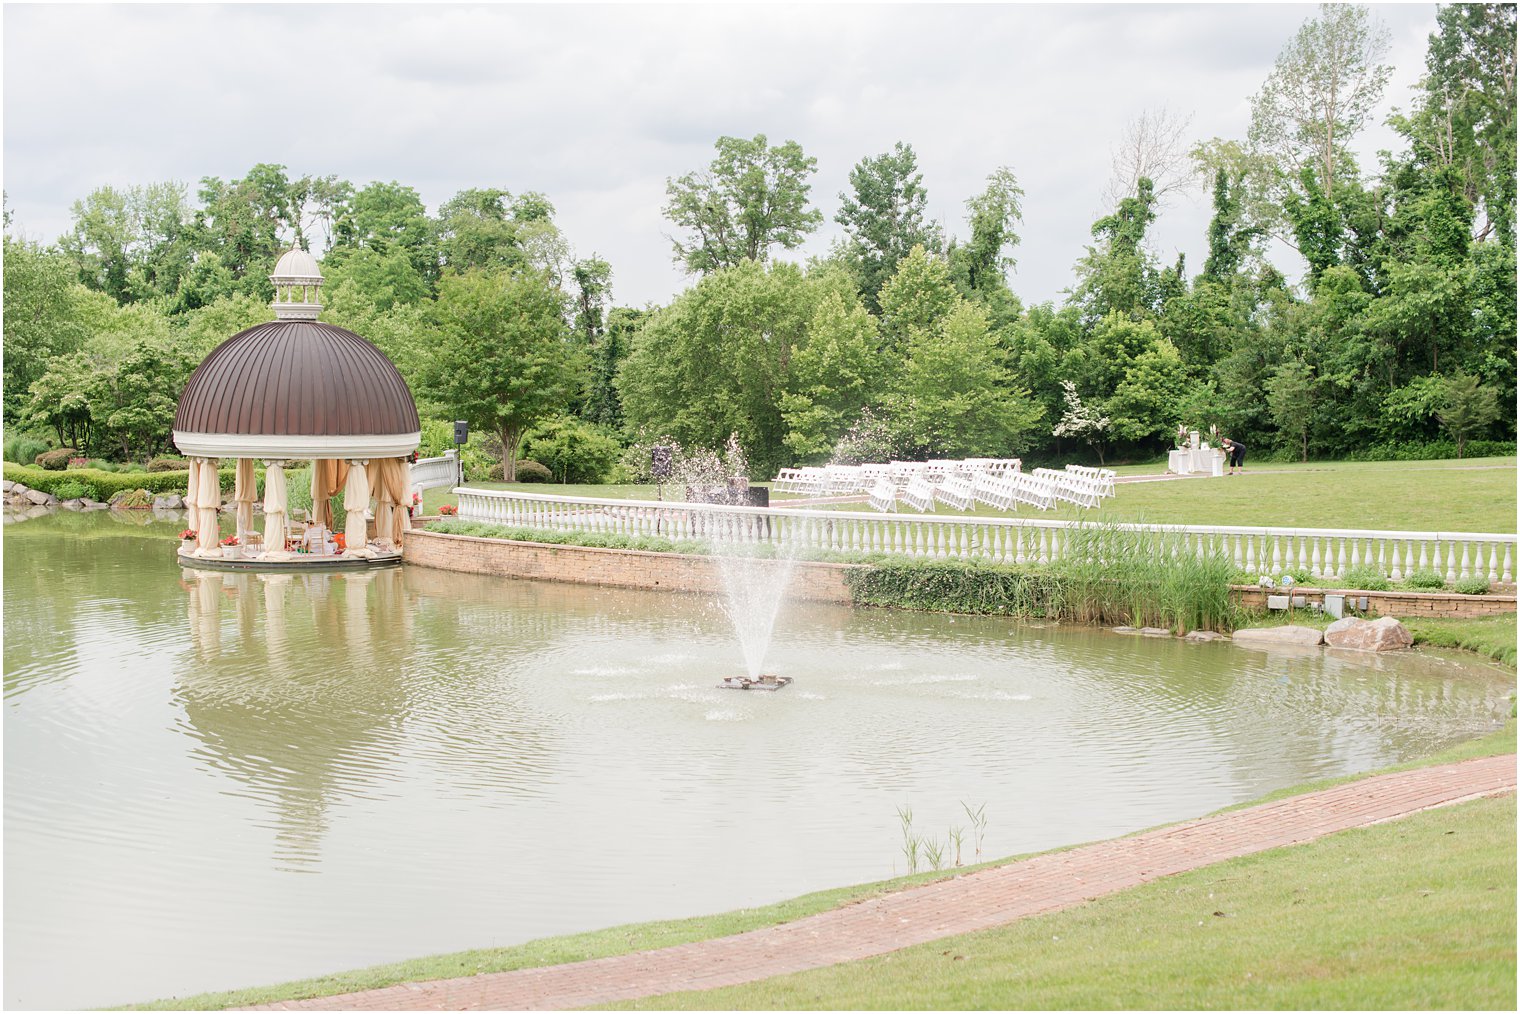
x=1414 y=914
x=645 y=936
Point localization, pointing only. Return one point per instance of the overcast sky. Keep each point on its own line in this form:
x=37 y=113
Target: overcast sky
x=597 y=106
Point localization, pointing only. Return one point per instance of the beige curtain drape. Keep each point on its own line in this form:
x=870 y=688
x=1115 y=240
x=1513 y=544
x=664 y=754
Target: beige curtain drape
x=356 y=506
x=276 y=503
x=245 y=491
x=328 y=475
x=390 y=482
x=209 y=501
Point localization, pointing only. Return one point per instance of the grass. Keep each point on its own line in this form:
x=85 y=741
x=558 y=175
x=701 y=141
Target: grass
x=1490 y=636
x=1148 y=912
x=1414 y=914
x=1472 y=495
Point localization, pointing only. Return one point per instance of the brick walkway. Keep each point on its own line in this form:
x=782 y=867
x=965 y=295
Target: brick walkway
x=971 y=902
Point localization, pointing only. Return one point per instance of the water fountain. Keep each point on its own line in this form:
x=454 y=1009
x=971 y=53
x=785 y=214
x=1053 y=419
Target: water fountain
x=753 y=588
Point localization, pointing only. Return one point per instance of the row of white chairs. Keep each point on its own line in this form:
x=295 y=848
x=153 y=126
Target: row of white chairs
x=1077 y=484
x=844 y=480
x=1082 y=490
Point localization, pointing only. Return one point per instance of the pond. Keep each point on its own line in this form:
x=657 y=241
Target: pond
x=219 y=780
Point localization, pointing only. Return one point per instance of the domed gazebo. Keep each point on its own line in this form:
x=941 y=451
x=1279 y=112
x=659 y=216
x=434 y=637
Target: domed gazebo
x=298 y=389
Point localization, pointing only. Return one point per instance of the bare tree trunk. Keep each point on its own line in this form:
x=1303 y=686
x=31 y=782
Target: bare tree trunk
x=511 y=436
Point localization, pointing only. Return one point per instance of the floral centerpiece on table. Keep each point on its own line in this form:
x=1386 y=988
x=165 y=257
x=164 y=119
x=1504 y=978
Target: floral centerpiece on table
x=448 y=510
x=189 y=533
x=1182 y=435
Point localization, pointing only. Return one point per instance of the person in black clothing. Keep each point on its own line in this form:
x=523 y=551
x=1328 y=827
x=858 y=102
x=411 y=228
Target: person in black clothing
x=1237 y=452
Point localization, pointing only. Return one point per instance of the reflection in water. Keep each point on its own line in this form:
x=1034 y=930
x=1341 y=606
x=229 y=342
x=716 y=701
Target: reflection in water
x=325 y=720
x=215 y=780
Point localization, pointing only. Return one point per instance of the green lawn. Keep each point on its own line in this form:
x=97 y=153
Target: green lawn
x=1414 y=914
x=1475 y=495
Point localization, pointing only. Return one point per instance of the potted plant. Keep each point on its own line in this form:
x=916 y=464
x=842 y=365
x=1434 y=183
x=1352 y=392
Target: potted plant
x=231 y=550
x=448 y=510
x=189 y=534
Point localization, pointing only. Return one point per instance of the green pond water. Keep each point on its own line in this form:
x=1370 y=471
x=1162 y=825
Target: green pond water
x=218 y=780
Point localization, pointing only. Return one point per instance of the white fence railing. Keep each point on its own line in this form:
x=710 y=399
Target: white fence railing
x=431 y=473
x=1324 y=552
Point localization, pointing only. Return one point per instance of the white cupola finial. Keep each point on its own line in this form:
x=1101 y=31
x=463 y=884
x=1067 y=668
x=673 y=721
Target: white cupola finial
x=297 y=280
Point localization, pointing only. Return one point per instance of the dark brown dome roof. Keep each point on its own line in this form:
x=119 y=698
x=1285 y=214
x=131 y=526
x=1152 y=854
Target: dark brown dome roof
x=296 y=378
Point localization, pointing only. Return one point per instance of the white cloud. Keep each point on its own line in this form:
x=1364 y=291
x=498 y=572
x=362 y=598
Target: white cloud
x=596 y=106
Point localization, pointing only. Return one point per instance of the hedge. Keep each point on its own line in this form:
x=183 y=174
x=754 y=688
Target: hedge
x=102 y=485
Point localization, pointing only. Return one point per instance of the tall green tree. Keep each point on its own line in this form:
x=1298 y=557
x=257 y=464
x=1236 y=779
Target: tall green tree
x=1466 y=408
x=385 y=218
x=1323 y=89
x=918 y=297
x=717 y=360
x=132 y=244
x=1118 y=276
x=885 y=215
x=981 y=265
x=834 y=373
x=42 y=317
x=501 y=356
x=751 y=198
x=956 y=397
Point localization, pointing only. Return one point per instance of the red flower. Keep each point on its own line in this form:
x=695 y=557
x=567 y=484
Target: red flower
x=448 y=510
x=230 y=540
x=187 y=534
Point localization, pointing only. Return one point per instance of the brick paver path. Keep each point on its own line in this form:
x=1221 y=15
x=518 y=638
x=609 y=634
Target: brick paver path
x=971 y=902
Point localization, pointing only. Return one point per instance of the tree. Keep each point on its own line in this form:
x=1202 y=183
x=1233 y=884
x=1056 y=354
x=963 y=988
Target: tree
x=717 y=360
x=475 y=231
x=387 y=217
x=885 y=216
x=42 y=318
x=919 y=297
x=1119 y=277
x=1229 y=238
x=1467 y=119
x=981 y=263
x=1148 y=402
x=593 y=291
x=834 y=374
x=956 y=398
x=501 y=356
x=132 y=244
x=1084 y=422
x=1466 y=408
x=1153 y=147
x=1326 y=83
x=60 y=399
x=135 y=403
x=752 y=197
x=603 y=404
x=1290 y=399
x=243 y=222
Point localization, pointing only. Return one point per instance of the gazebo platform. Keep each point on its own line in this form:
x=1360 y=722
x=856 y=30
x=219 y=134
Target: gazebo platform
x=299 y=563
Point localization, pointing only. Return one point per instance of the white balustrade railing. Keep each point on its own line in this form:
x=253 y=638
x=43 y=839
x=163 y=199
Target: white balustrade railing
x=431 y=473
x=1324 y=552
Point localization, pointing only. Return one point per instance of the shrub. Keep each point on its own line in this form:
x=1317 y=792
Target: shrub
x=1473 y=585
x=1425 y=579
x=1365 y=579
x=167 y=464
x=23 y=449
x=103 y=485
x=574 y=450
x=529 y=470
x=72 y=489
x=298 y=492
x=1430 y=450
x=55 y=461
x=100 y=464
x=132 y=498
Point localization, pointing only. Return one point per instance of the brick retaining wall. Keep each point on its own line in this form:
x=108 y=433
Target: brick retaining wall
x=1391 y=603
x=617 y=568
x=814 y=582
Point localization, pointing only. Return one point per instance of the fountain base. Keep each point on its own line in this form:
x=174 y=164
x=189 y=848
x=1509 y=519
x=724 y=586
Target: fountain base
x=757 y=683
